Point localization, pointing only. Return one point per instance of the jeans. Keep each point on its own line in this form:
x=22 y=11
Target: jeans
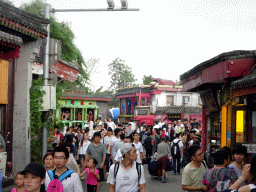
x=176 y=164
x=108 y=162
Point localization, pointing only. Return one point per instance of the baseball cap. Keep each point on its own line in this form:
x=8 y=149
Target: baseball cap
x=126 y=148
x=36 y=169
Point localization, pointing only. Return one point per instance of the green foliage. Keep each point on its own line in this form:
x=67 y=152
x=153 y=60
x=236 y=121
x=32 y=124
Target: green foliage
x=121 y=75
x=147 y=79
x=36 y=124
x=63 y=33
x=9 y=2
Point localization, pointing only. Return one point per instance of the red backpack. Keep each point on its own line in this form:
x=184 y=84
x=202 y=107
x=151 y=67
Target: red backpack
x=55 y=184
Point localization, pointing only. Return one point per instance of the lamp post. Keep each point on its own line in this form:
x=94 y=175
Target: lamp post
x=47 y=11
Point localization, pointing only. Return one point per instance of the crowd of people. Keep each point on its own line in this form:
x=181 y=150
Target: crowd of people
x=116 y=153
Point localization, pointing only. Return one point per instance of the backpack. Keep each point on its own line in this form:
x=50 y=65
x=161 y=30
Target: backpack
x=138 y=168
x=175 y=149
x=55 y=184
x=222 y=180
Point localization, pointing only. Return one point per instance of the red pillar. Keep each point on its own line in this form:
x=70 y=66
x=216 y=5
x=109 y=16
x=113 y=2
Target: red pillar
x=204 y=130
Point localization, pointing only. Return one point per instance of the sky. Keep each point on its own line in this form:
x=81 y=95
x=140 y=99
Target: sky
x=164 y=39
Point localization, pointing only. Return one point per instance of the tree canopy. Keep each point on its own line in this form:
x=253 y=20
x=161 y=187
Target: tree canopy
x=63 y=33
x=147 y=79
x=121 y=75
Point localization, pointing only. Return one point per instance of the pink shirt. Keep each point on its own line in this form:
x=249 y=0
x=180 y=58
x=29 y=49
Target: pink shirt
x=15 y=190
x=91 y=179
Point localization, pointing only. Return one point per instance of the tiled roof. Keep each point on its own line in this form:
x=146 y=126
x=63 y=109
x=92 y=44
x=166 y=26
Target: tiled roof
x=245 y=82
x=215 y=60
x=164 y=81
x=10 y=39
x=22 y=21
x=86 y=97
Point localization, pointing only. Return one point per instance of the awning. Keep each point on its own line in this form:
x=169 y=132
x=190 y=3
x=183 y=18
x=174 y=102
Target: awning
x=197 y=117
x=147 y=119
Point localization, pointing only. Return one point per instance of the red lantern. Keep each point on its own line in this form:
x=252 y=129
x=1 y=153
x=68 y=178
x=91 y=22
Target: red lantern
x=72 y=102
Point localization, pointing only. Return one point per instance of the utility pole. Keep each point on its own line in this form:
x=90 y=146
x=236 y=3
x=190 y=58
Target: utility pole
x=47 y=11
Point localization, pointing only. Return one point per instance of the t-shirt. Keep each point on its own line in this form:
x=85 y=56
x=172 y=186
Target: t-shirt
x=214 y=175
x=126 y=180
x=192 y=176
x=113 y=141
x=163 y=149
x=71 y=183
x=91 y=179
x=97 y=152
x=71 y=164
x=139 y=149
x=84 y=147
x=118 y=156
x=238 y=171
x=107 y=142
x=112 y=125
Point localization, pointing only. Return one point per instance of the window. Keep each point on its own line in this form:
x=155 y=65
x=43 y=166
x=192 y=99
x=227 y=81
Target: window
x=185 y=99
x=142 y=101
x=123 y=102
x=148 y=101
x=129 y=107
x=169 y=100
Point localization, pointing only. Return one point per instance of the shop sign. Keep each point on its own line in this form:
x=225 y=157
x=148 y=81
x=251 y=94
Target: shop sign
x=251 y=148
x=174 y=117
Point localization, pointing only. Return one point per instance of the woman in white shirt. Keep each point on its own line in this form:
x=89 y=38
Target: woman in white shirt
x=82 y=150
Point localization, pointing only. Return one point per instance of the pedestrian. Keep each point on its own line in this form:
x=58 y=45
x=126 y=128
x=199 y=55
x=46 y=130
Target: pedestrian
x=92 y=175
x=107 y=143
x=71 y=183
x=19 y=182
x=156 y=139
x=194 y=171
x=239 y=153
x=138 y=146
x=220 y=177
x=120 y=143
x=34 y=177
x=71 y=164
x=111 y=123
x=129 y=129
x=115 y=139
x=97 y=150
x=148 y=145
x=163 y=150
x=48 y=161
x=84 y=143
x=127 y=175
x=248 y=178
x=70 y=137
x=118 y=157
x=176 y=152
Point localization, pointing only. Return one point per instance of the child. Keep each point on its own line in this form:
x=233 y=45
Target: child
x=19 y=182
x=92 y=175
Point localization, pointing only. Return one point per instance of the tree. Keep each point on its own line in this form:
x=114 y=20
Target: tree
x=70 y=53
x=147 y=79
x=121 y=75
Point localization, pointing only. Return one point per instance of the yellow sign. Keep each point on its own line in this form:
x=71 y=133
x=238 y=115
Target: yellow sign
x=239 y=121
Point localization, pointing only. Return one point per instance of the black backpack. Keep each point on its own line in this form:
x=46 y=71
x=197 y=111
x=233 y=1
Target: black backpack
x=175 y=149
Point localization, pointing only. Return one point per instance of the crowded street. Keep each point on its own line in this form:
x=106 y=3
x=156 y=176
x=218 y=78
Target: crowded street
x=127 y=96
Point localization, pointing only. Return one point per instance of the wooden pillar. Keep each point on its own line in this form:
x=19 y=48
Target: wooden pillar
x=204 y=129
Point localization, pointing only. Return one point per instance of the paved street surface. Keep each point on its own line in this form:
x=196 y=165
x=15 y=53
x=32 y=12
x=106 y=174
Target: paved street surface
x=173 y=183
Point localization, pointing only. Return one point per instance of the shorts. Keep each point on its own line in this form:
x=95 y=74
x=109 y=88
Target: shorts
x=161 y=163
x=81 y=156
x=91 y=188
x=101 y=174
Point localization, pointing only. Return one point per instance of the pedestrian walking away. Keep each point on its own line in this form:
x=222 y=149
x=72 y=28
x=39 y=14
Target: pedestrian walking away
x=176 y=152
